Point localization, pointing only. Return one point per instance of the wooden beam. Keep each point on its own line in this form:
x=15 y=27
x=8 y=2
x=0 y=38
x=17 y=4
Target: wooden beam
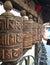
x=26 y=7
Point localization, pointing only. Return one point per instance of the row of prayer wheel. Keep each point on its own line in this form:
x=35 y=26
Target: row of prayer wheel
x=16 y=34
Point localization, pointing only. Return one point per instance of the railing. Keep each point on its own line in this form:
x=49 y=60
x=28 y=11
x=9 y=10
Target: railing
x=29 y=59
x=25 y=60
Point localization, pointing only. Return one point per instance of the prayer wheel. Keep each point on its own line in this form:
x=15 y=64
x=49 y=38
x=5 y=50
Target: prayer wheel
x=27 y=34
x=27 y=31
x=40 y=31
x=11 y=45
x=35 y=32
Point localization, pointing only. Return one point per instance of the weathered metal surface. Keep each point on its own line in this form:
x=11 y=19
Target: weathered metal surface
x=10 y=37
x=34 y=30
x=40 y=31
x=27 y=29
x=37 y=34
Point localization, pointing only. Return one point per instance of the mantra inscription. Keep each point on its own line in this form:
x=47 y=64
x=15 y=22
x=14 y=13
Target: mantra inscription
x=2 y=24
x=10 y=53
x=10 y=25
x=11 y=39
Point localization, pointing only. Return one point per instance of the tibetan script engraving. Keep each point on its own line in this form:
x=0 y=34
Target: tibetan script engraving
x=11 y=24
x=16 y=52
x=12 y=39
x=1 y=54
x=8 y=53
x=2 y=24
x=2 y=39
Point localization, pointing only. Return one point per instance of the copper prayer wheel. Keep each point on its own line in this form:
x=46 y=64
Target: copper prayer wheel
x=27 y=31
x=10 y=36
x=35 y=32
x=40 y=31
x=34 y=29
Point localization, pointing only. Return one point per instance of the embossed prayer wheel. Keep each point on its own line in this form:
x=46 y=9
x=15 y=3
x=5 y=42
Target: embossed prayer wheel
x=40 y=31
x=35 y=32
x=31 y=20
x=10 y=35
x=27 y=31
x=27 y=34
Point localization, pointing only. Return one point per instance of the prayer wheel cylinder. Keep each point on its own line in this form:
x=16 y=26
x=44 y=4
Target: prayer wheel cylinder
x=40 y=31
x=10 y=36
x=35 y=32
x=34 y=29
x=27 y=31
